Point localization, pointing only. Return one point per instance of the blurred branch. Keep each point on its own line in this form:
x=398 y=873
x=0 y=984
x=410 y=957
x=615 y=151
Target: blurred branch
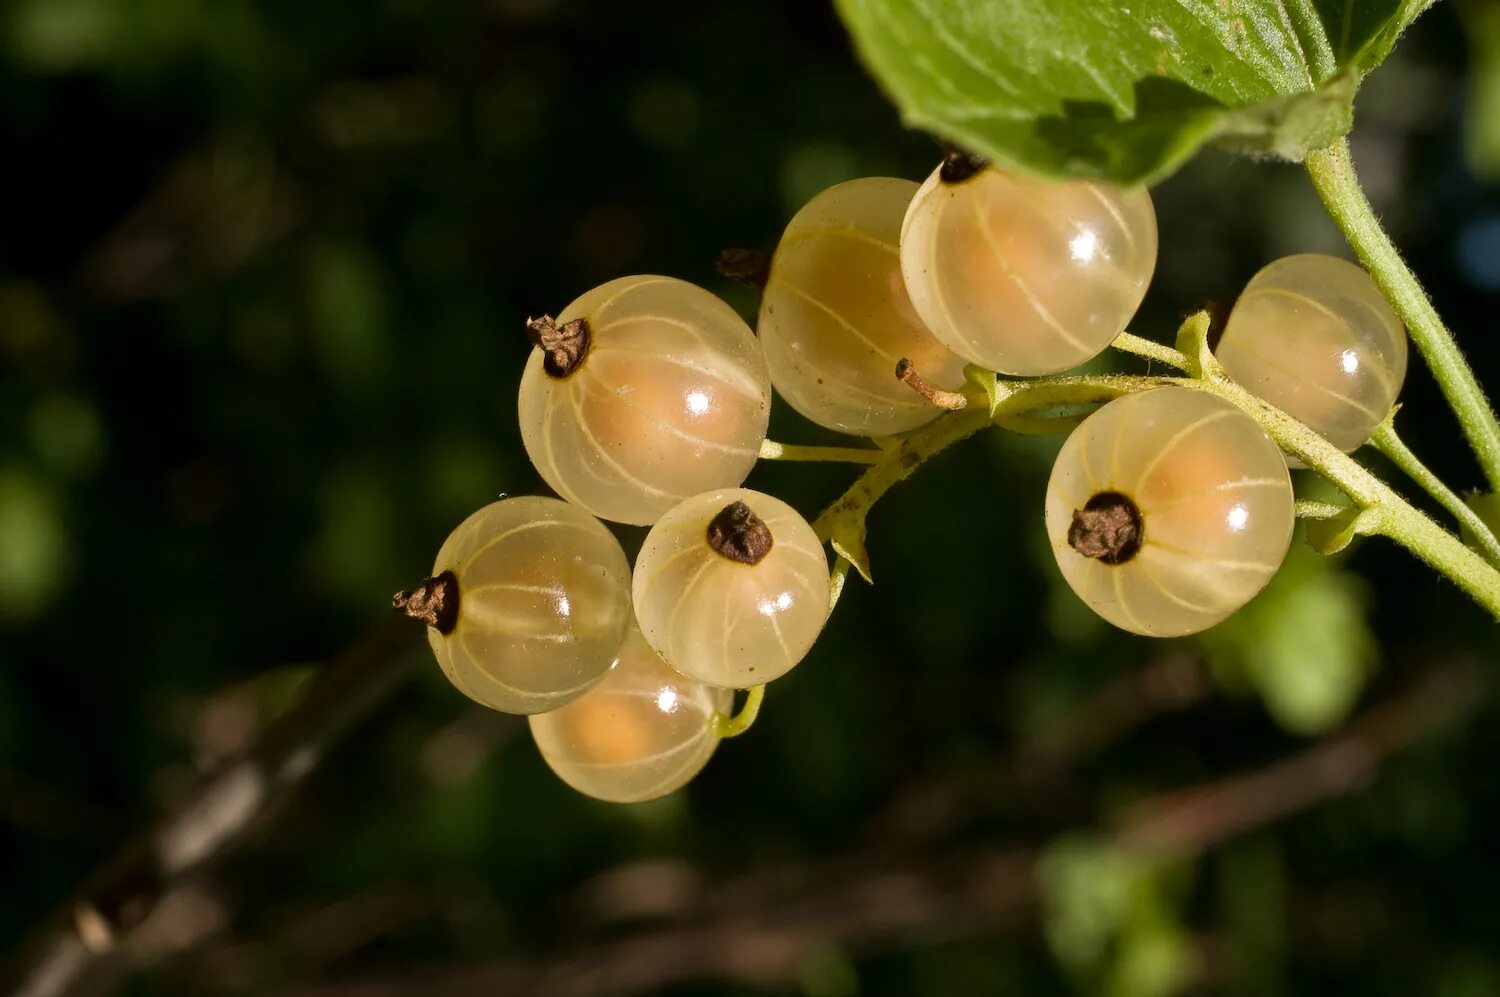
x=78 y=942
x=1338 y=765
x=1169 y=684
x=765 y=926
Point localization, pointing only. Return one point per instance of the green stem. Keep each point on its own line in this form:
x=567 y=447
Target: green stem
x=999 y=401
x=896 y=465
x=1332 y=173
x=771 y=450
x=1389 y=443
x=1394 y=517
x=722 y=726
x=837 y=578
x=1129 y=342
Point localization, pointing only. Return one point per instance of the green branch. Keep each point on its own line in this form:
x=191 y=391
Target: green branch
x=1387 y=442
x=1332 y=173
x=990 y=400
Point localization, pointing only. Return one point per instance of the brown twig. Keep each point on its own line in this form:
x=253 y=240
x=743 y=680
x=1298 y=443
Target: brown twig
x=80 y=939
x=763 y=927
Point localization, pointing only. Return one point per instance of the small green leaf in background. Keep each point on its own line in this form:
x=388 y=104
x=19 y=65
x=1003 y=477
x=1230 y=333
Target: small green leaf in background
x=1304 y=644
x=1487 y=505
x=1111 y=917
x=1482 y=119
x=1125 y=91
x=34 y=546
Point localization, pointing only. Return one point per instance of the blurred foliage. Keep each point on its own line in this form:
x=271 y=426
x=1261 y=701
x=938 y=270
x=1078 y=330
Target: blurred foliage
x=1303 y=644
x=1482 y=132
x=1112 y=917
x=262 y=281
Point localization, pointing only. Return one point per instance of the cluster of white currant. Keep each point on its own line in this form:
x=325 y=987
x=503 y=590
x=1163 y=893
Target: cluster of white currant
x=646 y=402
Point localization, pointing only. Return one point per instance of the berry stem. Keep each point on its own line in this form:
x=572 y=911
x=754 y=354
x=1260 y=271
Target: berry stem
x=771 y=450
x=1332 y=174
x=1389 y=443
x=724 y=726
x=836 y=579
x=1129 y=342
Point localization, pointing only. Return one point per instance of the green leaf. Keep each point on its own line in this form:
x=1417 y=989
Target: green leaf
x=1125 y=91
x=1304 y=644
x=848 y=542
x=1329 y=536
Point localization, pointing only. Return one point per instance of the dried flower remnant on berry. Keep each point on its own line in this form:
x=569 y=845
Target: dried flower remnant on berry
x=835 y=314
x=1107 y=528
x=671 y=400
x=959 y=166
x=750 y=267
x=564 y=347
x=739 y=534
x=907 y=374
x=718 y=600
x=434 y=602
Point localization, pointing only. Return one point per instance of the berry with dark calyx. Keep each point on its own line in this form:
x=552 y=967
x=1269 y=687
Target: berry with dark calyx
x=527 y=606
x=659 y=392
x=1168 y=510
x=731 y=588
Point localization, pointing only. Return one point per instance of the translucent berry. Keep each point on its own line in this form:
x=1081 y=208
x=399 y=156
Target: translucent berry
x=1025 y=275
x=528 y=604
x=731 y=588
x=835 y=316
x=1168 y=510
x=644 y=391
x=1313 y=335
x=642 y=732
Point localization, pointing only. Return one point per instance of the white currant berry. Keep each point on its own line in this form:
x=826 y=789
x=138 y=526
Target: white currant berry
x=1168 y=510
x=644 y=391
x=642 y=732
x=1026 y=275
x=835 y=317
x=528 y=604
x=731 y=588
x=1313 y=335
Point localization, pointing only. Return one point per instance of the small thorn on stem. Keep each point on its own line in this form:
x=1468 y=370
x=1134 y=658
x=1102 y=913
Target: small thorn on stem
x=959 y=165
x=739 y=534
x=906 y=373
x=564 y=347
x=1108 y=528
x=434 y=602
x=751 y=267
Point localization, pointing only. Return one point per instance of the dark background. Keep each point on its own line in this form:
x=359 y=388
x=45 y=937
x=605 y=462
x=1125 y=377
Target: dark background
x=263 y=272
